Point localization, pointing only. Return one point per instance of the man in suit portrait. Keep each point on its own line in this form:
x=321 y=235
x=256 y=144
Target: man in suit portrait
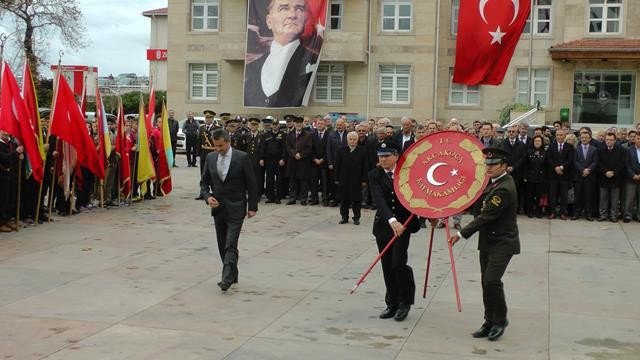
x=228 y=186
x=280 y=77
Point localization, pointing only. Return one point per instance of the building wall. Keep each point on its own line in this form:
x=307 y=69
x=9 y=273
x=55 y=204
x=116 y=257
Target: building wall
x=158 y=40
x=417 y=48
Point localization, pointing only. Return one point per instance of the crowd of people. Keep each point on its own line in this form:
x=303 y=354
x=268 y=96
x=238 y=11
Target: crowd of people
x=559 y=172
x=68 y=189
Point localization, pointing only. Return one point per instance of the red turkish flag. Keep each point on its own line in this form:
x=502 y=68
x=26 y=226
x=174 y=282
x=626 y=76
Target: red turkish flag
x=488 y=32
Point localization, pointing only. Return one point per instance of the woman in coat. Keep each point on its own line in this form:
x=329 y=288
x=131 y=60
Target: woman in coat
x=535 y=176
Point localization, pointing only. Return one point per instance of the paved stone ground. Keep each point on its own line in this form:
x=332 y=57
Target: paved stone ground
x=140 y=283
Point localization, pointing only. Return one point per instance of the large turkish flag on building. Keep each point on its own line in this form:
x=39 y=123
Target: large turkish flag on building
x=488 y=32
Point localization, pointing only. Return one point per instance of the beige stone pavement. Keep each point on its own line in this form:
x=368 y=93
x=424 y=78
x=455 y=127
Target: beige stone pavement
x=140 y=283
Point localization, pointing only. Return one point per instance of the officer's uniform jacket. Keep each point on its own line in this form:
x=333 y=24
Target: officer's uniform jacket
x=497 y=221
x=388 y=205
x=206 y=138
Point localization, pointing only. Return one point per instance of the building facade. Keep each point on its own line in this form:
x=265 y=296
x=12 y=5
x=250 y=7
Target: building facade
x=395 y=57
x=157 y=53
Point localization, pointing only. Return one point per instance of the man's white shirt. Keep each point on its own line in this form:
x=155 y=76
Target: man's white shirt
x=275 y=66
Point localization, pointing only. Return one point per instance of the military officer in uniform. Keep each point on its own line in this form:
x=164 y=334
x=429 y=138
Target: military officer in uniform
x=254 y=145
x=498 y=240
x=272 y=158
x=388 y=222
x=205 y=139
x=238 y=140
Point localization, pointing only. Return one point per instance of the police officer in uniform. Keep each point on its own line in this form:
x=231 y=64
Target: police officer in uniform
x=238 y=140
x=388 y=222
x=272 y=158
x=254 y=145
x=498 y=240
x=205 y=139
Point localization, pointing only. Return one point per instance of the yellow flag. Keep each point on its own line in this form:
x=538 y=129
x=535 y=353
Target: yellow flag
x=145 y=167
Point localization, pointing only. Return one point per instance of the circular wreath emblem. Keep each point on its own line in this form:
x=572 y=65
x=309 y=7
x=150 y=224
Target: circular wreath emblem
x=441 y=175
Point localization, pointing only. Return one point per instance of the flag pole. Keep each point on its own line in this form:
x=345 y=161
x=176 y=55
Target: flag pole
x=436 y=63
x=19 y=191
x=135 y=171
x=530 y=63
x=102 y=193
x=55 y=158
x=453 y=265
x=426 y=274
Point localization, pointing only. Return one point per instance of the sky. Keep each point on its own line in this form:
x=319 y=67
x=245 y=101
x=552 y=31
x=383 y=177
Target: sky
x=118 y=37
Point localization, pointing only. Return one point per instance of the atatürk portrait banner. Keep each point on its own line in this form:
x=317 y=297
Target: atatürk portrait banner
x=284 y=39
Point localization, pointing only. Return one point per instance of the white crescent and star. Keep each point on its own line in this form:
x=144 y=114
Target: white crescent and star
x=432 y=169
x=496 y=36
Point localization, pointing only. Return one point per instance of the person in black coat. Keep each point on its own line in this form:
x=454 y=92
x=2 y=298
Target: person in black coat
x=337 y=139
x=585 y=164
x=534 y=175
x=351 y=178
x=517 y=151
x=560 y=157
x=319 y=165
x=228 y=186
x=405 y=137
x=173 y=134
x=611 y=174
x=632 y=187
x=272 y=157
x=299 y=149
x=388 y=222
x=10 y=152
x=190 y=131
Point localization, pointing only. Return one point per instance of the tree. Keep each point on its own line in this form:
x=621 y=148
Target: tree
x=37 y=20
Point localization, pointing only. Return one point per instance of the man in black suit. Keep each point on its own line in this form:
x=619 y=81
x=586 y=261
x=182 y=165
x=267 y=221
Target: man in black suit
x=498 y=241
x=300 y=149
x=585 y=163
x=388 y=222
x=515 y=161
x=632 y=187
x=337 y=139
x=228 y=186
x=612 y=160
x=560 y=157
x=405 y=137
x=487 y=136
x=280 y=78
x=319 y=169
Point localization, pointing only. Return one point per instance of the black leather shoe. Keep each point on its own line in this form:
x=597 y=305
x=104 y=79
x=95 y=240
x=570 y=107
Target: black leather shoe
x=199 y=198
x=314 y=202
x=388 y=313
x=626 y=220
x=303 y=202
x=343 y=221
x=483 y=331
x=402 y=312
x=278 y=202
x=356 y=221
x=602 y=218
x=224 y=286
x=589 y=218
x=269 y=201
x=496 y=331
x=291 y=202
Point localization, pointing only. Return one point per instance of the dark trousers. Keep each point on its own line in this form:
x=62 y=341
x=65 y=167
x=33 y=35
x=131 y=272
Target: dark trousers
x=354 y=205
x=521 y=188
x=558 y=189
x=203 y=158
x=259 y=173
x=227 y=234
x=299 y=189
x=492 y=266
x=584 y=190
x=28 y=198
x=319 y=182
x=191 y=150
x=274 y=175
x=174 y=147
x=609 y=198
x=534 y=193
x=398 y=276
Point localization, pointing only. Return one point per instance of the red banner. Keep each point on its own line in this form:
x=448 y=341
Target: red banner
x=157 y=54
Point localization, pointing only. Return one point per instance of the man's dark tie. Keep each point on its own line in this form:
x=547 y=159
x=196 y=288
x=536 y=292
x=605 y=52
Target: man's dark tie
x=390 y=174
x=560 y=148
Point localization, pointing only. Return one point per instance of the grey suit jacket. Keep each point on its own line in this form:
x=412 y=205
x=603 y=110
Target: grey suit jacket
x=237 y=193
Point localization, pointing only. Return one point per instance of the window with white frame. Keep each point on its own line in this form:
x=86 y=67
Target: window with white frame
x=205 y=15
x=455 y=13
x=463 y=95
x=605 y=16
x=396 y=15
x=542 y=15
x=203 y=81
x=395 y=84
x=329 y=85
x=539 y=91
x=335 y=14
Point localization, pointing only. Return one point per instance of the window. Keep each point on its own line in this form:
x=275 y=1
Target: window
x=335 y=14
x=463 y=95
x=396 y=15
x=539 y=90
x=605 y=16
x=541 y=18
x=395 y=84
x=203 y=84
x=329 y=86
x=455 y=13
x=204 y=15
x=604 y=97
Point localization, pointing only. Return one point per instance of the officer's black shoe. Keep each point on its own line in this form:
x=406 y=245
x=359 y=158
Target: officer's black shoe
x=356 y=221
x=291 y=202
x=278 y=202
x=484 y=330
x=497 y=331
x=402 y=312
x=303 y=202
x=199 y=198
x=269 y=201
x=389 y=312
x=314 y=202
x=325 y=203
x=224 y=286
x=343 y=221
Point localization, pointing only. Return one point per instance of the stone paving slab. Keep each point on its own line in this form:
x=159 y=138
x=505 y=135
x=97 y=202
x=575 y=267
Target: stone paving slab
x=139 y=282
